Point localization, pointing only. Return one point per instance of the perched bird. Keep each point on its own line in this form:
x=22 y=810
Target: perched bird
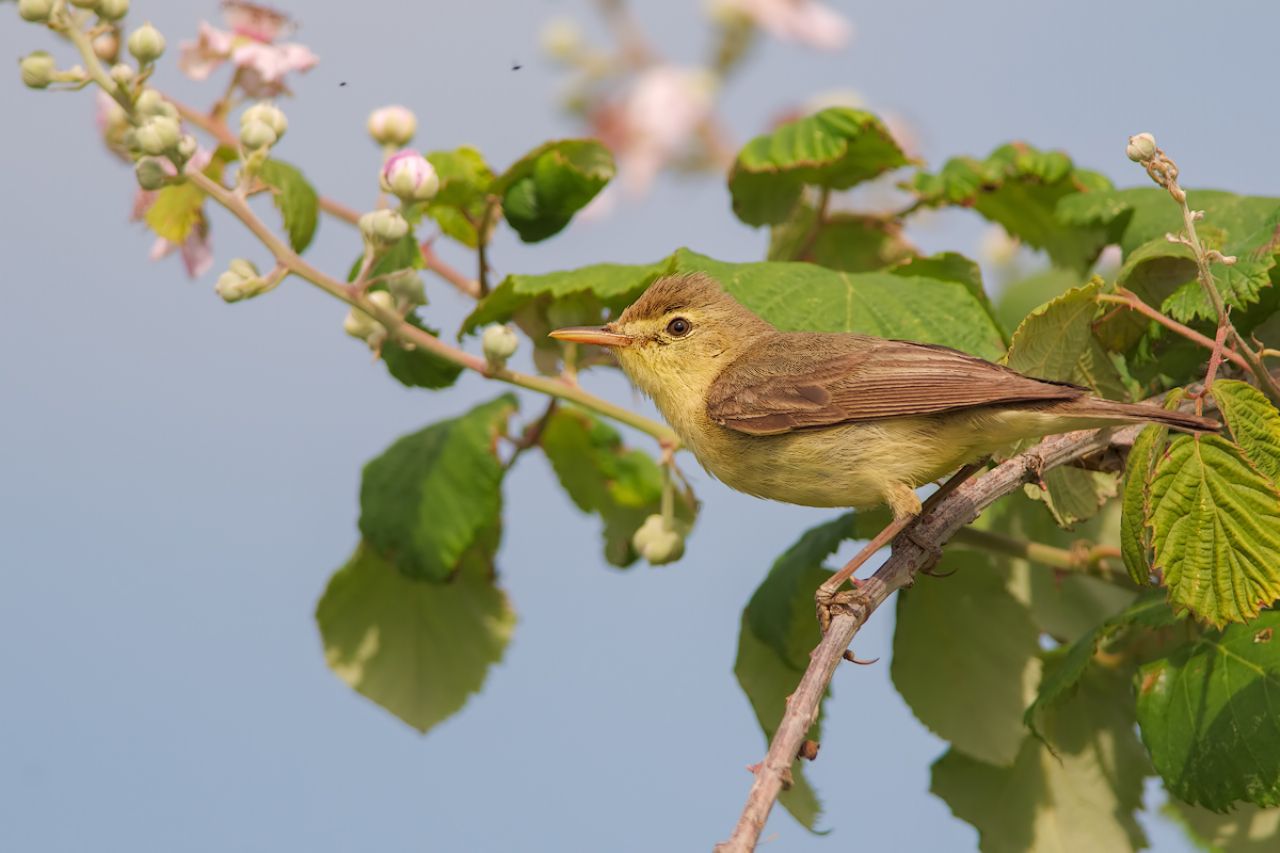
x=832 y=420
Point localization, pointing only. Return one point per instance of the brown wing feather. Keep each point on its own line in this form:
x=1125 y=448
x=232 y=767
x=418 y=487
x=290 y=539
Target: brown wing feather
x=799 y=381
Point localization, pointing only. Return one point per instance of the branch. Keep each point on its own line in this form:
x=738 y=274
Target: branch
x=910 y=554
x=1083 y=558
x=1131 y=300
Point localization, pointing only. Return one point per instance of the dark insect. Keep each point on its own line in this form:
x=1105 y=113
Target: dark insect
x=516 y=66
x=343 y=83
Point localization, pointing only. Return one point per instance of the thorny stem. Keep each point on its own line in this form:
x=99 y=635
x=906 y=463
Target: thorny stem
x=1084 y=558
x=1131 y=300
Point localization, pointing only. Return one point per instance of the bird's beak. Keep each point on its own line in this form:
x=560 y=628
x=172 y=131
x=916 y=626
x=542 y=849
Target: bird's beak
x=601 y=336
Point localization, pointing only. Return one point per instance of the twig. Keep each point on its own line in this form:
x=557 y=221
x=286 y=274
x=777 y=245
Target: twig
x=482 y=245
x=910 y=554
x=1131 y=300
x=1094 y=560
x=468 y=286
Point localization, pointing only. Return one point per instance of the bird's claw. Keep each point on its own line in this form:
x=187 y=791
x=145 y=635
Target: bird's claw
x=831 y=602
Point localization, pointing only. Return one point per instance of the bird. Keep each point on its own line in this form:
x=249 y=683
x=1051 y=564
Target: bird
x=833 y=419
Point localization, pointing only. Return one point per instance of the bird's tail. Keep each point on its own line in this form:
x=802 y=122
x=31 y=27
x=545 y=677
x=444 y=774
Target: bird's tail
x=1110 y=410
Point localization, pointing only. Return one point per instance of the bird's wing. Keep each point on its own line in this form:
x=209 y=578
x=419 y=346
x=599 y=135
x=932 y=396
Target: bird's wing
x=781 y=385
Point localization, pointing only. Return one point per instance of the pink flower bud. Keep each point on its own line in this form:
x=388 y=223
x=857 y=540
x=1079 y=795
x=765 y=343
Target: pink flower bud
x=393 y=125
x=409 y=176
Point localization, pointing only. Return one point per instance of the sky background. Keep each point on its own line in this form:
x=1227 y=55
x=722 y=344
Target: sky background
x=178 y=477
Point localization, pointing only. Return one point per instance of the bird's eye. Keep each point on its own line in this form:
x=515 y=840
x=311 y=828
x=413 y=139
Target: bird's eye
x=679 y=327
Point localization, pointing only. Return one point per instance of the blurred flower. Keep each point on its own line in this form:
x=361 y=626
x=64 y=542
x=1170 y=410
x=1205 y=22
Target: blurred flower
x=653 y=122
x=250 y=46
x=146 y=43
x=805 y=21
x=393 y=125
x=409 y=176
x=196 y=250
x=997 y=248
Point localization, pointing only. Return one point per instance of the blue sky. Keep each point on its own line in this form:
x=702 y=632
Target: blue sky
x=178 y=476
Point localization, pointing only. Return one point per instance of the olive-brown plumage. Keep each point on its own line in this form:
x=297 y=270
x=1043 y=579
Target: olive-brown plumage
x=832 y=419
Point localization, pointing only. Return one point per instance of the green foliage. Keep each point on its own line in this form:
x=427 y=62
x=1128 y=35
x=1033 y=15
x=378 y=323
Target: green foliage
x=1247 y=829
x=425 y=501
x=965 y=658
x=295 y=198
x=1020 y=187
x=418 y=368
x=416 y=648
x=543 y=189
x=458 y=207
x=1207 y=714
x=603 y=476
x=1081 y=795
x=1135 y=531
x=177 y=210
x=835 y=149
x=789 y=295
x=1254 y=424
x=852 y=242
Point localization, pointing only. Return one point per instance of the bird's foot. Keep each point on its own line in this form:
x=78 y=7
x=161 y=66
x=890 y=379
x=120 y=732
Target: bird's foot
x=832 y=602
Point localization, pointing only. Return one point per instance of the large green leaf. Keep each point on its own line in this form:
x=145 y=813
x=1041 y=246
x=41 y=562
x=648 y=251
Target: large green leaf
x=418 y=367
x=1020 y=187
x=417 y=649
x=853 y=242
x=1239 y=285
x=834 y=149
x=1135 y=527
x=971 y=693
x=458 y=206
x=1254 y=424
x=793 y=296
x=295 y=198
x=1019 y=298
x=543 y=190
x=1208 y=715
x=602 y=476
x=1215 y=530
x=1247 y=829
x=1081 y=796
x=424 y=501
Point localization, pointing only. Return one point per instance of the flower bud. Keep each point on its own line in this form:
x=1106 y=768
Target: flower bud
x=151 y=173
x=84 y=4
x=267 y=113
x=499 y=344
x=241 y=281
x=1141 y=147
x=146 y=44
x=257 y=134
x=123 y=74
x=406 y=286
x=360 y=325
x=36 y=11
x=383 y=227
x=409 y=176
x=150 y=103
x=561 y=38
x=394 y=126
x=158 y=135
x=659 y=543
x=112 y=10
x=38 y=69
x=107 y=46
x=186 y=148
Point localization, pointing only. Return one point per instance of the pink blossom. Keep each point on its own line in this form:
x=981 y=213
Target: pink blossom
x=408 y=175
x=250 y=46
x=805 y=21
x=196 y=250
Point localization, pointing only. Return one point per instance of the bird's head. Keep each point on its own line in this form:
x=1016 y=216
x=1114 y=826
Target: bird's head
x=677 y=337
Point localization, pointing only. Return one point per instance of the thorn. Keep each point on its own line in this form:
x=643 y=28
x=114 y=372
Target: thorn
x=933 y=574
x=755 y=768
x=808 y=750
x=852 y=658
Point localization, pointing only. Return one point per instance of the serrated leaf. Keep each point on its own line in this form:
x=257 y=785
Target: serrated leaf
x=1247 y=829
x=1136 y=216
x=1149 y=610
x=1254 y=424
x=1019 y=298
x=970 y=693
x=417 y=367
x=1239 y=285
x=417 y=649
x=1215 y=530
x=844 y=241
x=793 y=296
x=424 y=501
x=1207 y=713
x=176 y=211
x=835 y=149
x=295 y=198
x=1020 y=187
x=543 y=190
x=1073 y=495
x=459 y=205
x=1084 y=796
x=602 y=476
x=1135 y=530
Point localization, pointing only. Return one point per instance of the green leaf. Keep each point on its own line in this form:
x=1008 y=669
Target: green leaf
x=1215 y=530
x=845 y=241
x=1149 y=610
x=1020 y=187
x=1056 y=342
x=1254 y=424
x=965 y=658
x=1019 y=298
x=425 y=500
x=417 y=649
x=177 y=210
x=1084 y=796
x=603 y=476
x=406 y=254
x=793 y=296
x=834 y=149
x=1239 y=285
x=419 y=368
x=1207 y=713
x=1136 y=216
x=1135 y=529
x=458 y=206
x=296 y=200
x=1073 y=495
x=544 y=189
x=1248 y=829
